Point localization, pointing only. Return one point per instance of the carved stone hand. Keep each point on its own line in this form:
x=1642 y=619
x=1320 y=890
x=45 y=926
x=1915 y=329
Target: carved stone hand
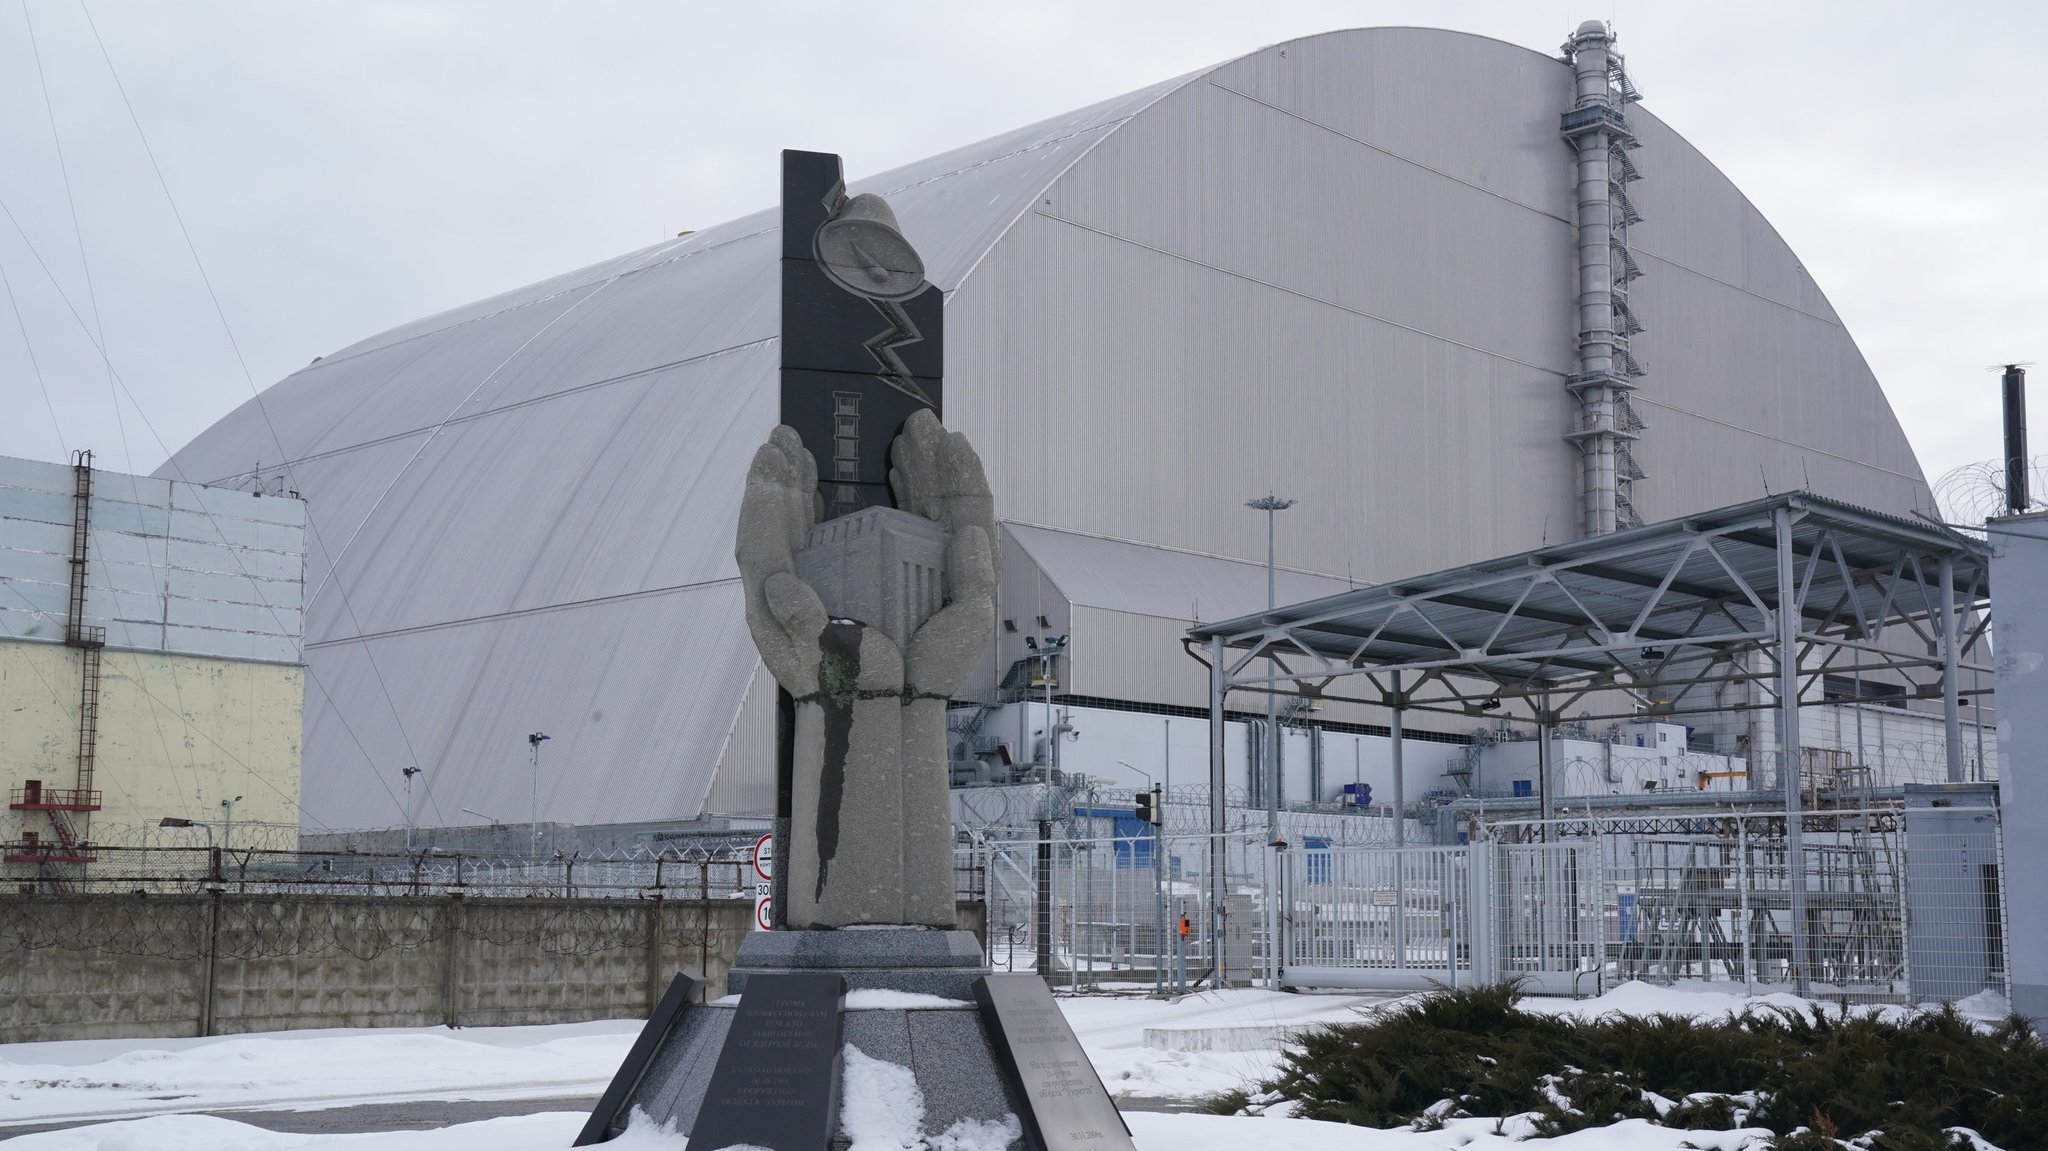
x=871 y=829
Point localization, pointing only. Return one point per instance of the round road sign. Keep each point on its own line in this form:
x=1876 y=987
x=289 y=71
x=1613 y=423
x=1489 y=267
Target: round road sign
x=764 y=857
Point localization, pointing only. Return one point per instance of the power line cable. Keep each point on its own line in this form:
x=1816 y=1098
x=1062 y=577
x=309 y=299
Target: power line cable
x=333 y=565
x=77 y=230
x=172 y=462
x=62 y=443
x=157 y=579
x=57 y=696
x=223 y=749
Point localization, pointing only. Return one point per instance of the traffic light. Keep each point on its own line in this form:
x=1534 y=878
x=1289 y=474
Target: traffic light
x=1150 y=808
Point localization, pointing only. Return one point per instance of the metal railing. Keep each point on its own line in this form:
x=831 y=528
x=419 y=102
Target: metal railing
x=1883 y=905
x=1880 y=906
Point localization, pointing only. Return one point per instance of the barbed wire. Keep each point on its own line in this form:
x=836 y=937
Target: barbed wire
x=176 y=903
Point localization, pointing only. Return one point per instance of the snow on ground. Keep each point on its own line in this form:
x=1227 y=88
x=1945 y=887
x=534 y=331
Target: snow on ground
x=1708 y=1001
x=306 y=1070
x=1701 y=1001
x=547 y=1131
x=138 y=1083
x=1112 y=1029
x=1151 y=1132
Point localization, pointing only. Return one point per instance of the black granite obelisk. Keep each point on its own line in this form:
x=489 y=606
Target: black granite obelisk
x=862 y=330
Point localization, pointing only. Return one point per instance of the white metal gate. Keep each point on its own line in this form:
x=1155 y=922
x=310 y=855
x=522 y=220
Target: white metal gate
x=1421 y=917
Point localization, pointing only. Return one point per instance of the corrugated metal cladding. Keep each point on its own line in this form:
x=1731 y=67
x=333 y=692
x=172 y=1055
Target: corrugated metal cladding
x=1338 y=269
x=171 y=567
x=1142 y=579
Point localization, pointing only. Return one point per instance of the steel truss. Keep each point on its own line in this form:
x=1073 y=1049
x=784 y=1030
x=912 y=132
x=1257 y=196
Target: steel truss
x=1638 y=621
x=1648 y=620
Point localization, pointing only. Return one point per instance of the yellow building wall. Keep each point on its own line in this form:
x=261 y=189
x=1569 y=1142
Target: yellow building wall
x=177 y=735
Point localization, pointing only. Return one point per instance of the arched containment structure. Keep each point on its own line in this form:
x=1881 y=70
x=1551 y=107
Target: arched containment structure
x=1344 y=269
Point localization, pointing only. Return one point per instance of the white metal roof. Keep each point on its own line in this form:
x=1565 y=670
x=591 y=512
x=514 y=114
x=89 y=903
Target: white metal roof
x=1141 y=579
x=1336 y=268
x=523 y=510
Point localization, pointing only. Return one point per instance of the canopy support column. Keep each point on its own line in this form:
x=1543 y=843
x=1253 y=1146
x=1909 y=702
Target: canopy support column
x=1790 y=767
x=1400 y=830
x=1216 y=808
x=1951 y=655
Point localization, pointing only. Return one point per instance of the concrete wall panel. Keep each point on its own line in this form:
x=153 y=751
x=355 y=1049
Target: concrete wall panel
x=96 y=967
x=177 y=734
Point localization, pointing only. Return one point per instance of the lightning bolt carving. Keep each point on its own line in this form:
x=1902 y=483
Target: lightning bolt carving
x=882 y=346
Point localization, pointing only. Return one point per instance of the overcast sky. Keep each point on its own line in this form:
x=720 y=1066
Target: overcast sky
x=346 y=167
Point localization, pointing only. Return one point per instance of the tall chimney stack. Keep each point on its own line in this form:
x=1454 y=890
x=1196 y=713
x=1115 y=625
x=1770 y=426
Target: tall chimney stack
x=2015 y=381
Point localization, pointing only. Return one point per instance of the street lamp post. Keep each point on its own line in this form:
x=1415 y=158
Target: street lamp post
x=534 y=741
x=212 y=853
x=408 y=771
x=227 y=834
x=1272 y=505
x=176 y=821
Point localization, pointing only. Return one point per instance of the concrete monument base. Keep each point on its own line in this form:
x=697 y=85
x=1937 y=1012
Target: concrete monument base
x=920 y=960
x=940 y=1036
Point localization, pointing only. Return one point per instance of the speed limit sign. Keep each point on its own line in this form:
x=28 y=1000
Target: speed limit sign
x=764 y=868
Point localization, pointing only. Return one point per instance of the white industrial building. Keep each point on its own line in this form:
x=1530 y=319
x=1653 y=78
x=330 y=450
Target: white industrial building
x=149 y=664
x=1366 y=270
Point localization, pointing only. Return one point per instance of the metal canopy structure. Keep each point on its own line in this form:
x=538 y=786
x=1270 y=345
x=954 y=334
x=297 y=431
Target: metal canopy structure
x=1781 y=591
x=1644 y=617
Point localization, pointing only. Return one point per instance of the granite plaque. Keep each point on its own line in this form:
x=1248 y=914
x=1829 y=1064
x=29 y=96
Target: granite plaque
x=1062 y=1101
x=608 y=1117
x=777 y=1080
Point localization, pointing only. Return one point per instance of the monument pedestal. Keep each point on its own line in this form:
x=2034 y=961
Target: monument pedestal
x=911 y=997
x=924 y=961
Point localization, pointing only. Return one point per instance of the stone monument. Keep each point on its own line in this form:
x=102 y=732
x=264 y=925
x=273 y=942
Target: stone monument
x=868 y=754
x=869 y=621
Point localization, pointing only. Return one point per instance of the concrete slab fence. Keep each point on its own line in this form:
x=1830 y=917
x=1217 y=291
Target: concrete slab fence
x=220 y=963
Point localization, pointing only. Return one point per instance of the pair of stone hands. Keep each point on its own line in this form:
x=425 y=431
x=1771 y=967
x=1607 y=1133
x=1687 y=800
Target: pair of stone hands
x=934 y=473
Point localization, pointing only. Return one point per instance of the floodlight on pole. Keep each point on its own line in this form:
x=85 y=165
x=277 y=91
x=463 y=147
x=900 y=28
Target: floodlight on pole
x=534 y=741
x=179 y=821
x=227 y=833
x=408 y=771
x=1270 y=504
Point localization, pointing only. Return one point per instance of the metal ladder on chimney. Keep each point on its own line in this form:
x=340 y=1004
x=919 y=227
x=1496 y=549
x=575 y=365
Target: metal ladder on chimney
x=72 y=846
